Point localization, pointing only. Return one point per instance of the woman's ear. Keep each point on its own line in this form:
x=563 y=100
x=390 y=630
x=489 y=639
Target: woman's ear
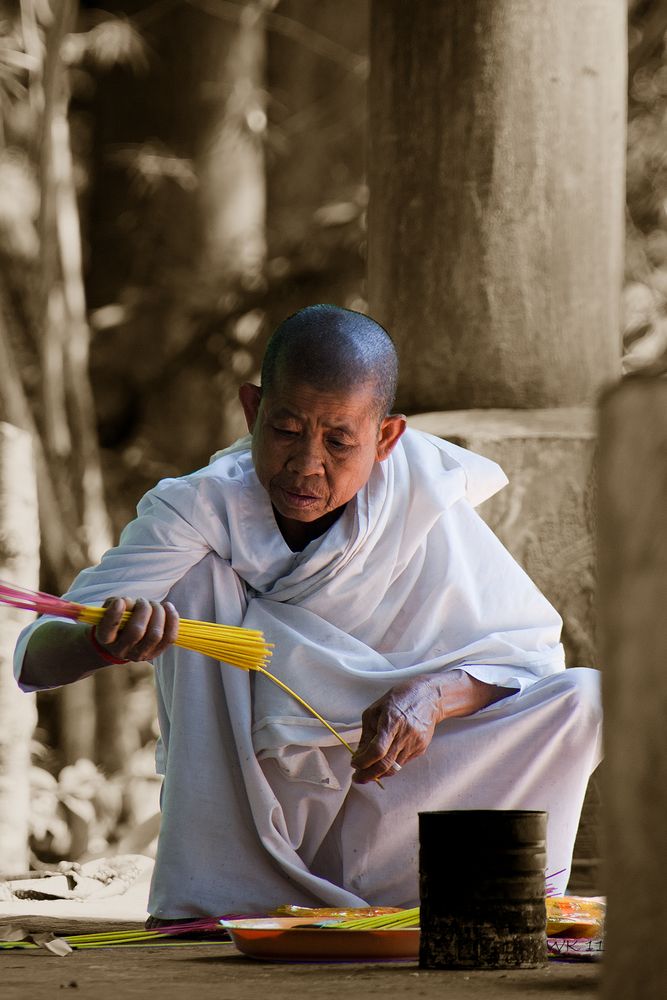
x=391 y=429
x=250 y=397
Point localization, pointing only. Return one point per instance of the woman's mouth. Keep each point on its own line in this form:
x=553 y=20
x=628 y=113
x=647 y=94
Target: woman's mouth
x=300 y=501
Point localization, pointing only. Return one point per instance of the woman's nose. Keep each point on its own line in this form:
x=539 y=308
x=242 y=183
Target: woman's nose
x=306 y=458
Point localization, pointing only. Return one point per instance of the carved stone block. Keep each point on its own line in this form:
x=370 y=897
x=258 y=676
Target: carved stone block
x=546 y=518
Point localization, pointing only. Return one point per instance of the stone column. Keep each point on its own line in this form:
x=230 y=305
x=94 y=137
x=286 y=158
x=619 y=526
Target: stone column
x=495 y=251
x=633 y=599
x=19 y=563
x=496 y=173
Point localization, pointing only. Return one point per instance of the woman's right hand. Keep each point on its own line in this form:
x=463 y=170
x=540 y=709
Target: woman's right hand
x=151 y=627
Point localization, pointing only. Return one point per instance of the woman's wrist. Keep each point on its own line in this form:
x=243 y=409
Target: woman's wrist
x=101 y=651
x=459 y=694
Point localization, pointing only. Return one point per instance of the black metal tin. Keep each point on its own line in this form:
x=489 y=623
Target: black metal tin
x=482 y=889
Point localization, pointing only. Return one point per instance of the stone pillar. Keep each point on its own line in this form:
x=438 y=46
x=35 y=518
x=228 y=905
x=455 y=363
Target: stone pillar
x=495 y=252
x=633 y=599
x=496 y=173
x=19 y=563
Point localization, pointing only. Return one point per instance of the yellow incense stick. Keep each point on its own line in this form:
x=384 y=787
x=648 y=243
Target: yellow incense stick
x=276 y=680
x=385 y=921
x=240 y=647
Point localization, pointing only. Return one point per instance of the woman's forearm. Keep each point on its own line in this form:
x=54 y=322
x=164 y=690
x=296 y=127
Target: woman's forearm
x=59 y=653
x=459 y=694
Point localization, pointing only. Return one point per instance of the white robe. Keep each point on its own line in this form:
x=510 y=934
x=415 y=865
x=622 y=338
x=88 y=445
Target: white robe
x=258 y=804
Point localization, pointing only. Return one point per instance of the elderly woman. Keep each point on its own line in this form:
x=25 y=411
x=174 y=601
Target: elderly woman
x=354 y=545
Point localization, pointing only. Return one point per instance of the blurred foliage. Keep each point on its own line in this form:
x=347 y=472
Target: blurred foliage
x=78 y=811
x=81 y=813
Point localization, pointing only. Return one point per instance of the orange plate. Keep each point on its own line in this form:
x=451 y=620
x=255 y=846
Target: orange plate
x=285 y=939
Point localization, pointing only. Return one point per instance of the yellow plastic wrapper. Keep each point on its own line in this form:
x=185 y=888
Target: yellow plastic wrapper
x=575 y=917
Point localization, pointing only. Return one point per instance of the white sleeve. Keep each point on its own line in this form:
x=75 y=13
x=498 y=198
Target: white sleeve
x=174 y=529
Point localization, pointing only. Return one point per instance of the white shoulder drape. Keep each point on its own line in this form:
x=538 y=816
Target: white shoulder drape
x=408 y=581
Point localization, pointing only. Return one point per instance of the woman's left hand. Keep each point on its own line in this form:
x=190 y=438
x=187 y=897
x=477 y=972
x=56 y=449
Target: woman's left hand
x=396 y=728
x=400 y=724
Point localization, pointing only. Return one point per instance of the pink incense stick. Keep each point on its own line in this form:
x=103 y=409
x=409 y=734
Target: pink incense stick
x=36 y=600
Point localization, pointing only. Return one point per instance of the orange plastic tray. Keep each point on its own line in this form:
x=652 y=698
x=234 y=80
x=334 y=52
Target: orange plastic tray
x=285 y=939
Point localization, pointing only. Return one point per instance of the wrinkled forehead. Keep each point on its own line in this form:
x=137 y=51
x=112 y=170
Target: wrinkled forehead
x=335 y=406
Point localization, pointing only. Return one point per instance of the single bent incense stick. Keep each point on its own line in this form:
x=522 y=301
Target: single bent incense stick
x=240 y=647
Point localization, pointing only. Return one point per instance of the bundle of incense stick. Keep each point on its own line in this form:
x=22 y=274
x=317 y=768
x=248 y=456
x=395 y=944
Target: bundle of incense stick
x=240 y=647
x=385 y=922
x=209 y=929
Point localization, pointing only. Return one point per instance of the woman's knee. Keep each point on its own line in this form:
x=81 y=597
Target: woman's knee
x=581 y=687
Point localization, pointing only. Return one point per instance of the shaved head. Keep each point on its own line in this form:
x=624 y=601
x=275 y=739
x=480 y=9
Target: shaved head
x=335 y=350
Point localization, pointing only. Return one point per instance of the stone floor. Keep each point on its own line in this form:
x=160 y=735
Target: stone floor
x=219 y=971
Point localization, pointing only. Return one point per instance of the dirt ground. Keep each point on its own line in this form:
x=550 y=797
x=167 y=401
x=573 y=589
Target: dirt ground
x=218 y=971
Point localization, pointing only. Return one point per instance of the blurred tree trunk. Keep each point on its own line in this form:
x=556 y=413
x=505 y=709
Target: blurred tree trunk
x=316 y=76
x=187 y=136
x=70 y=436
x=68 y=409
x=231 y=170
x=47 y=333
x=179 y=175
x=44 y=380
x=19 y=563
x=229 y=155
x=115 y=738
x=317 y=67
